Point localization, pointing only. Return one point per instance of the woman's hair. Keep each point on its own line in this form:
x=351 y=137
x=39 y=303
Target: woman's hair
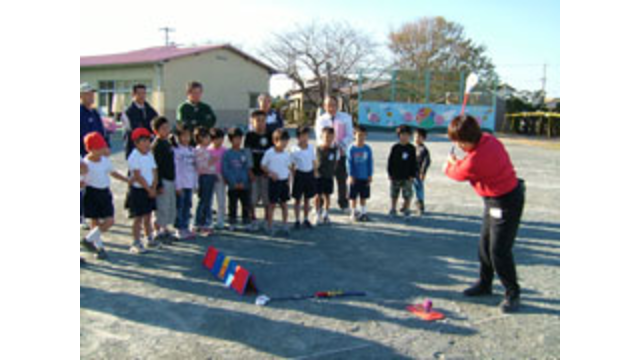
x=465 y=128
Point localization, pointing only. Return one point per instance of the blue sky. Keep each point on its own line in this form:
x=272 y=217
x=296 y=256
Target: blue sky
x=520 y=36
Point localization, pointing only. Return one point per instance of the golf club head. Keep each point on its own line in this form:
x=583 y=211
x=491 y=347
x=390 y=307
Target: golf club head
x=472 y=81
x=262 y=300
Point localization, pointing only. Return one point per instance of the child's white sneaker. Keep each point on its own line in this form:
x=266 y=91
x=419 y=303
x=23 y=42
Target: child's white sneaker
x=137 y=248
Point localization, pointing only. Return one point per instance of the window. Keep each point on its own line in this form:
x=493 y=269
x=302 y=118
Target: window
x=106 y=91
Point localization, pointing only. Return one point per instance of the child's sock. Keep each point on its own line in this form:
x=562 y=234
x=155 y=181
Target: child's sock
x=94 y=236
x=363 y=209
x=98 y=241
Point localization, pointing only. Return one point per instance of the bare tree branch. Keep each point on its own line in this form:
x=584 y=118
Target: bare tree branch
x=308 y=52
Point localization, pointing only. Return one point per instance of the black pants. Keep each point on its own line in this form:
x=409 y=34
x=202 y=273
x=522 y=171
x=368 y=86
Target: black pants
x=244 y=198
x=341 y=179
x=501 y=222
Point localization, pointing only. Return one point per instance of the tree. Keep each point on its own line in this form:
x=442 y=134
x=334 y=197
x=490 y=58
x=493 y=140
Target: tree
x=435 y=44
x=314 y=55
x=525 y=101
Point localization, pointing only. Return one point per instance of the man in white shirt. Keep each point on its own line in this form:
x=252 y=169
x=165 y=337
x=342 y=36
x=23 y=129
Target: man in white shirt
x=342 y=124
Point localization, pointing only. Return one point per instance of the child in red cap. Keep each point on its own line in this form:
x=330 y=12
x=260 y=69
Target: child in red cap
x=83 y=173
x=142 y=191
x=98 y=200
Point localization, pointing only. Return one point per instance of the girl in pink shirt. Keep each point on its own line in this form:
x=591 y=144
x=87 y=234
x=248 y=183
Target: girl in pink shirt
x=217 y=151
x=207 y=178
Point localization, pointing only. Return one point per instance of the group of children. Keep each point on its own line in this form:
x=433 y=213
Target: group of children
x=257 y=171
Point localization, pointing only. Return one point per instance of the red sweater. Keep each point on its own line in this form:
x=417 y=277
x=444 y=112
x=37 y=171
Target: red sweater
x=488 y=168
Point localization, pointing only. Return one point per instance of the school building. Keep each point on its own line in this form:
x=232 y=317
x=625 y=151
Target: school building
x=232 y=79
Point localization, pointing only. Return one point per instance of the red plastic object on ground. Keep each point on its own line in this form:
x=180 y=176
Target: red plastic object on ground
x=210 y=258
x=233 y=275
x=419 y=311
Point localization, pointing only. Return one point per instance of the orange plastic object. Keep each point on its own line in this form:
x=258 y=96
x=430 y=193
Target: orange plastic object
x=418 y=311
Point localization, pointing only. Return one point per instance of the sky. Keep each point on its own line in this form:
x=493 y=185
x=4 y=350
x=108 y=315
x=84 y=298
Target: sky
x=520 y=36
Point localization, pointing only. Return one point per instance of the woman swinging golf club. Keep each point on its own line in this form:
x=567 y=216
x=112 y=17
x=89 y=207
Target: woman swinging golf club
x=487 y=166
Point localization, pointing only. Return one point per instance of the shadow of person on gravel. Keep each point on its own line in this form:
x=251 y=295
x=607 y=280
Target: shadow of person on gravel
x=392 y=264
x=278 y=338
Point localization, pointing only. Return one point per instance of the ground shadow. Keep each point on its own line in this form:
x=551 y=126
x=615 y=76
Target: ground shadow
x=274 y=337
x=391 y=264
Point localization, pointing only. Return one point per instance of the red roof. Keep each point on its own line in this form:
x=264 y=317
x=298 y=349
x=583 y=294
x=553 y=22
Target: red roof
x=161 y=54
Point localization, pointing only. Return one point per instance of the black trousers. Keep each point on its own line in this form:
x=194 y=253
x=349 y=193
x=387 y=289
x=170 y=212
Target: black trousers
x=501 y=222
x=242 y=196
x=341 y=179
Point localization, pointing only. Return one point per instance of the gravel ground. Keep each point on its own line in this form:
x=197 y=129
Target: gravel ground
x=164 y=305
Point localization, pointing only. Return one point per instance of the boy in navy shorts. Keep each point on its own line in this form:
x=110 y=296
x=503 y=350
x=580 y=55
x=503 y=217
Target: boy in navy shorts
x=98 y=200
x=141 y=200
x=327 y=156
x=83 y=173
x=360 y=171
x=303 y=157
x=276 y=163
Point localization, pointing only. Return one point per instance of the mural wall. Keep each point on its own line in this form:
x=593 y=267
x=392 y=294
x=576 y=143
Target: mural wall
x=427 y=116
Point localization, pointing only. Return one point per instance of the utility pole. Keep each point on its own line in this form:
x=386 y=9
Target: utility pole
x=166 y=31
x=544 y=79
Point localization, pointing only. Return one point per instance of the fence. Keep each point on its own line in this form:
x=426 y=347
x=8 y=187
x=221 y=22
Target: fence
x=429 y=99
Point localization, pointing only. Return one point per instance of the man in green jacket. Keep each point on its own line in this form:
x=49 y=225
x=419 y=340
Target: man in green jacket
x=193 y=113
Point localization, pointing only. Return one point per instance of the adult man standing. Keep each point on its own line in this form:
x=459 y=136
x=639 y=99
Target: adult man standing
x=193 y=113
x=274 y=120
x=138 y=115
x=342 y=124
x=90 y=120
